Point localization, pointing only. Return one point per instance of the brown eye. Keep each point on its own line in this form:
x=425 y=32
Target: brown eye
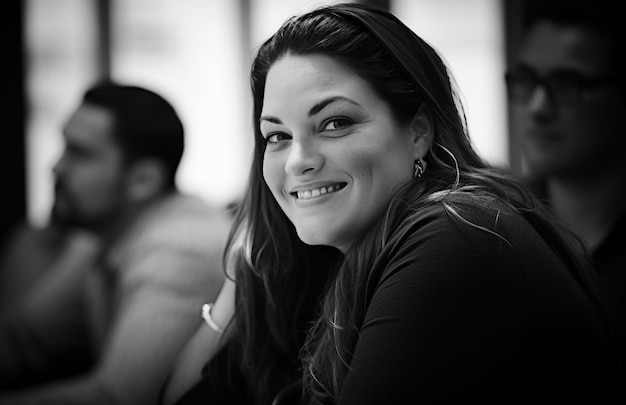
x=337 y=124
x=276 y=137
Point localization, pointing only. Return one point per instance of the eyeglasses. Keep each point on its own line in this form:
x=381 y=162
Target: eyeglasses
x=564 y=88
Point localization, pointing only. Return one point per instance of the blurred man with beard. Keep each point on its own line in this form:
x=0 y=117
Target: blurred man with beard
x=141 y=259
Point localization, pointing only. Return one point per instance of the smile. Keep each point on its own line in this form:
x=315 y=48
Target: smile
x=316 y=192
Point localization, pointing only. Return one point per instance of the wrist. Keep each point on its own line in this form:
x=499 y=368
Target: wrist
x=218 y=314
x=208 y=318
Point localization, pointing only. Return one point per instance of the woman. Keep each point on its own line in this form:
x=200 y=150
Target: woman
x=376 y=256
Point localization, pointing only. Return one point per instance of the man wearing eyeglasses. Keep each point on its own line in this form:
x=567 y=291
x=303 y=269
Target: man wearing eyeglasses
x=568 y=106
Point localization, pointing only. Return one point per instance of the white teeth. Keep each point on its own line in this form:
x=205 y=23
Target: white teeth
x=307 y=194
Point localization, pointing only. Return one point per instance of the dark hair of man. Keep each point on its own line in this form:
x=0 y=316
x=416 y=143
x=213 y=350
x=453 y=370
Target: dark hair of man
x=278 y=276
x=146 y=125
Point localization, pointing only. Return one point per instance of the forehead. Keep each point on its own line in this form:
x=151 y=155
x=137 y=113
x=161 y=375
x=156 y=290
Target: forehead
x=294 y=80
x=90 y=124
x=549 y=47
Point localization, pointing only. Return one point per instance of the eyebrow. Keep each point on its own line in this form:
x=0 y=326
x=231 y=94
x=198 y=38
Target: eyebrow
x=314 y=110
x=320 y=106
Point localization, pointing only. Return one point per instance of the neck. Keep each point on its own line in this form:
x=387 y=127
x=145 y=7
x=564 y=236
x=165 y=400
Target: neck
x=589 y=205
x=116 y=226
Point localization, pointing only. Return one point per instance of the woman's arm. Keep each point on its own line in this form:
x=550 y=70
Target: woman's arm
x=201 y=347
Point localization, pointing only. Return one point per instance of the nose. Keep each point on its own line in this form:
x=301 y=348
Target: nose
x=540 y=102
x=57 y=169
x=303 y=158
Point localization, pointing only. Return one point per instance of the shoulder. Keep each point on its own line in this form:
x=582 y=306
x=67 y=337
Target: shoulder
x=461 y=251
x=180 y=233
x=190 y=212
x=464 y=218
x=472 y=233
x=183 y=221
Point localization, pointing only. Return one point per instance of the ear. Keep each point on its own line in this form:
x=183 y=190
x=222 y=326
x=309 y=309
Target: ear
x=146 y=179
x=422 y=132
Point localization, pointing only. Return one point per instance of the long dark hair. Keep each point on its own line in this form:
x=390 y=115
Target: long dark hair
x=281 y=282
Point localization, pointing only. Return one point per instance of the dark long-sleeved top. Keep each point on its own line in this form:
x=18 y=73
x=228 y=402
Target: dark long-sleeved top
x=479 y=309
x=460 y=314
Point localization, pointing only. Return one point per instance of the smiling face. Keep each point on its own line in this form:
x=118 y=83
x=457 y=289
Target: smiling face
x=335 y=153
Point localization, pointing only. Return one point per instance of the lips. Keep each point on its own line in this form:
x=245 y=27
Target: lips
x=311 y=193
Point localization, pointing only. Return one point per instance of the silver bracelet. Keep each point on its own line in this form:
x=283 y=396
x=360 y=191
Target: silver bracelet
x=206 y=314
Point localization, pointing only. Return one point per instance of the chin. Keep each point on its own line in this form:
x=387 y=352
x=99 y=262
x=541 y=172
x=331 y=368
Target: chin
x=313 y=238
x=310 y=240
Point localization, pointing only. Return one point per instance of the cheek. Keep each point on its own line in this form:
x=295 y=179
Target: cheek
x=379 y=169
x=98 y=195
x=386 y=155
x=99 y=182
x=273 y=173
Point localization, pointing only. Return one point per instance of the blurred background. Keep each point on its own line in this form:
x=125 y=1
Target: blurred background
x=197 y=53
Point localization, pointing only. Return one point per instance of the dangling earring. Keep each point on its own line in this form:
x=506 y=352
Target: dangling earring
x=420 y=168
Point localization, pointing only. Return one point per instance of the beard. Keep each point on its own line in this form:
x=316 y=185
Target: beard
x=67 y=212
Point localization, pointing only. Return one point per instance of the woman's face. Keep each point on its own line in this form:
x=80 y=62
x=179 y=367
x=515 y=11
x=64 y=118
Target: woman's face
x=335 y=153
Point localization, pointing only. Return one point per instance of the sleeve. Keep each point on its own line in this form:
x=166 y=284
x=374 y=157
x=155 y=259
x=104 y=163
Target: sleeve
x=18 y=266
x=44 y=336
x=442 y=320
x=157 y=319
x=161 y=293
